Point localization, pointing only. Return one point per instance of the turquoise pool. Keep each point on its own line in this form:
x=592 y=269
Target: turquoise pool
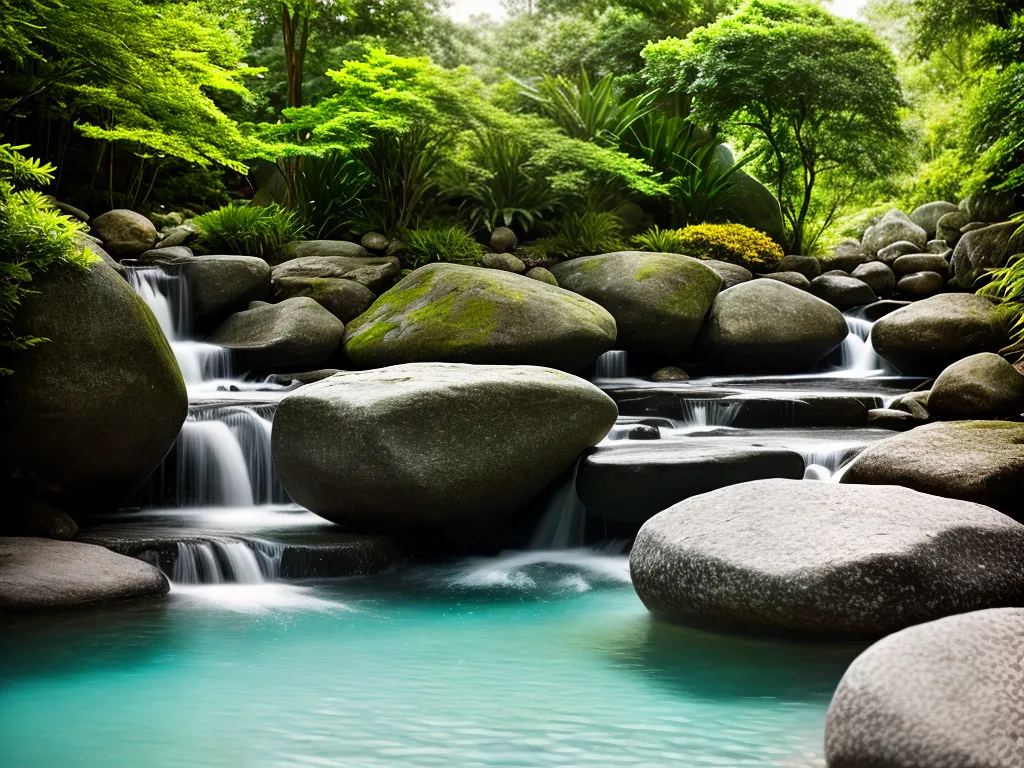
x=525 y=660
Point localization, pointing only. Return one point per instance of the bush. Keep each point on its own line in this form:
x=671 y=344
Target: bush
x=248 y=230
x=582 y=235
x=452 y=245
x=733 y=243
x=1008 y=287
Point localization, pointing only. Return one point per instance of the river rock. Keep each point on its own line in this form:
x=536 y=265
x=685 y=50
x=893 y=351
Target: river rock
x=948 y=227
x=993 y=206
x=878 y=277
x=503 y=261
x=767 y=326
x=945 y=694
x=357 y=450
x=658 y=300
x=847 y=256
x=300 y=249
x=825 y=558
x=670 y=373
x=42 y=574
x=914 y=403
x=455 y=313
x=880 y=309
x=795 y=279
x=96 y=249
x=180 y=235
x=921 y=262
x=377 y=273
x=927 y=216
x=731 y=274
x=754 y=205
x=296 y=333
x=981 y=461
x=939 y=247
x=125 y=234
x=629 y=483
x=926 y=336
x=920 y=285
x=891 y=418
x=544 y=275
x=345 y=299
x=982 y=386
x=808 y=266
x=843 y=292
x=890 y=253
x=983 y=249
x=893 y=227
x=32 y=517
x=91 y=412
x=503 y=240
x=375 y=242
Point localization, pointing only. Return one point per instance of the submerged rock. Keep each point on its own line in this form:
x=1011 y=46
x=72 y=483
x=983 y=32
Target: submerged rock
x=980 y=461
x=90 y=413
x=125 y=234
x=41 y=574
x=825 y=558
x=658 y=300
x=945 y=693
x=454 y=313
x=982 y=386
x=357 y=450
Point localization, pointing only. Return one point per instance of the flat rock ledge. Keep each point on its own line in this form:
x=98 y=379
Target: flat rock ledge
x=795 y=557
x=41 y=574
x=946 y=694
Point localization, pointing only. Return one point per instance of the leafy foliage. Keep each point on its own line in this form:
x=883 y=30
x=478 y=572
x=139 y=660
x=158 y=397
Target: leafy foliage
x=582 y=235
x=1007 y=286
x=453 y=245
x=660 y=240
x=248 y=230
x=733 y=243
x=328 y=197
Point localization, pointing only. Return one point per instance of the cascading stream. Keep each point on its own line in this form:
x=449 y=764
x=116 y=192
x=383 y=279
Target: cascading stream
x=858 y=355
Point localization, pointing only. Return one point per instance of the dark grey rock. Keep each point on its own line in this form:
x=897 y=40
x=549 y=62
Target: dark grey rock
x=948 y=227
x=503 y=261
x=543 y=275
x=503 y=240
x=938 y=246
x=880 y=309
x=670 y=373
x=843 y=292
x=972 y=226
x=982 y=386
x=808 y=266
x=303 y=377
x=375 y=242
x=125 y=234
x=878 y=277
x=731 y=274
x=345 y=299
x=982 y=249
x=920 y=285
x=795 y=279
x=644 y=432
x=890 y=253
x=914 y=403
x=31 y=517
x=330 y=249
x=825 y=558
x=847 y=256
x=895 y=226
x=927 y=216
x=175 y=236
x=753 y=205
x=993 y=206
x=890 y=418
x=377 y=273
x=921 y=262
x=835 y=273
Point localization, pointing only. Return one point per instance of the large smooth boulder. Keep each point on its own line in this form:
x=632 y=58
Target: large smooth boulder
x=296 y=333
x=825 y=558
x=926 y=336
x=948 y=227
x=750 y=203
x=658 y=300
x=345 y=299
x=376 y=273
x=890 y=253
x=299 y=249
x=946 y=694
x=731 y=274
x=357 y=450
x=217 y=285
x=795 y=279
x=125 y=234
x=981 y=461
x=454 y=313
x=920 y=262
x=767 y=326
x=90 y=413
x=982 y=386
x=927 y=216
x=847 y=256
x=843 y=292
x=41 y=574
x=878 y=277
x=808 y=266
x=984 y=249
x=920 y=285
x=893 y=227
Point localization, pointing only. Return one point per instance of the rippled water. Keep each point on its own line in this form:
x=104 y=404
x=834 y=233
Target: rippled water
x=527 y=660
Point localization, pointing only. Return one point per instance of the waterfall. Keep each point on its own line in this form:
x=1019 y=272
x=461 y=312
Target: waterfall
x=564 y=520
x=858 y=355
x=611 y=365
x=212 y=470
x=223 y=561
x=708 y=412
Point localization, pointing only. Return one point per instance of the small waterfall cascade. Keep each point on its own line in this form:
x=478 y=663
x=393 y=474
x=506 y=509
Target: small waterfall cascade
x=708 y=412
x=858 y=355
x=226 y=561
x=563 y=523
x=611 y=365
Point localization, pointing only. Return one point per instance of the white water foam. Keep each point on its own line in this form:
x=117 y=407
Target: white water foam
x=526 y=571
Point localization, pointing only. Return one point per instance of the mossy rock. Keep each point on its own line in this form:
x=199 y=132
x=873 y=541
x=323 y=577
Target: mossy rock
x=454 y=313
x=658 y=300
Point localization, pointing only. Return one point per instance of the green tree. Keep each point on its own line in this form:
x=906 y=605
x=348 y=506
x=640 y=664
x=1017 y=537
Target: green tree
x=813 y=97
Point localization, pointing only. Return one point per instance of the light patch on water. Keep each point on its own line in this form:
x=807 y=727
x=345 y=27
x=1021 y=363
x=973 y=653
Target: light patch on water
x=253 y=598
x=576 y=570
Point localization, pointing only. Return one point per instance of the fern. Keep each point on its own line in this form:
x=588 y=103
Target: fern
x=248 y=230
x=582 y=235
x=1007 y=287
x=452 y=245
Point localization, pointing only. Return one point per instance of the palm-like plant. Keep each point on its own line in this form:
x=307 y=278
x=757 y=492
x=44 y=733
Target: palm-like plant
x=328 y=194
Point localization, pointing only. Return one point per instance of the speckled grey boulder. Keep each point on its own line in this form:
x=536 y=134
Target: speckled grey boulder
x=980 y=461
x=796 y=279
x=658 y=300
x=731 y=274
x=377 y=273
x=893 y=227
x=843 y=292
x=41 y=574
x=808 y=266
x=920 y=262
x=920 y=285
x=824 y=558
x=321 y=248
x=503 y=261
x=125 y=234
x=345 y=299
x=982 y=386
x=945 y=694
x=878 y=277
x=979 y=250
x=356 y=448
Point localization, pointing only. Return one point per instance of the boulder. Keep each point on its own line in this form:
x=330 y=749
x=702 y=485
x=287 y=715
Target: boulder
x=982 y=386
x=544 y=275
x=300 y=249
x=890 y=253
x=993 y=206
x=503 y=240
x=658 y=300
x=768 y=326
x=944 y=693
x=125 y=234
x=981 y=461
x=808 y=266
x=920 y=285
x=296 y=333
x=914 y=403
x=731 y=274
x=893 y=227
x=983 y=249
x=890 y=418
x=795 y=279
x=921 y=262
x=628 y=483
x=356 y=449
x=377 y=273
x=345 y=299
x=927 y=216
x=31 y=517
x=454 y=313
x=880 y=309
x=847 y=256
x=973 y=225
x=90 y=413
x=375 y=242
x=825 y=558
x=96 y=249
x=503 y=261
x=938 y=246
x=878 y=277
x=303 y=377
x=926 y=336
x=180 y=235
x=948 y=227
x=670 y=373
x=843 y=292
x=41 y=574
x=752 y=204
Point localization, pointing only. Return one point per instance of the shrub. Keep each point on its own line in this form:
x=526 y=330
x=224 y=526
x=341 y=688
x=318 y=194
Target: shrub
x=327 y=194
x=248 y=230
x=582 y=235
x=660 y=240
x=733 y=243
x=453 y=245
x=1008 y=287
